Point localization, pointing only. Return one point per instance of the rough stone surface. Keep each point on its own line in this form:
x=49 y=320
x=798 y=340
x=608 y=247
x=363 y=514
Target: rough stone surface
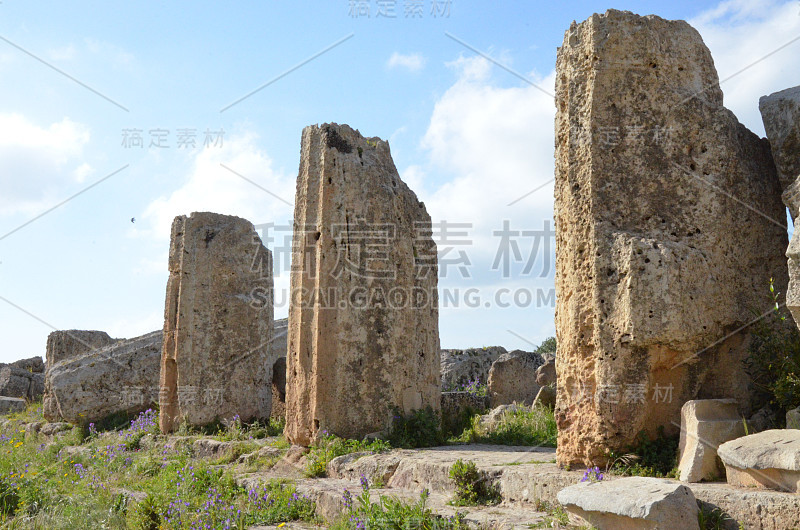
x=459 y=367
x=780 y=113
x=793 y=261
x=73 y=342
x=363 y=324
x=119 y=378
x=793 y=419
x=512 y=378
x=769 y=459
x=218 y=323
x=546 y=373
x=632 y=502
x=764 y=419
x=705 y=424
x=546 y=397
x=32 y=364
x=655 y=272
x=20 y=383
x=11 y=404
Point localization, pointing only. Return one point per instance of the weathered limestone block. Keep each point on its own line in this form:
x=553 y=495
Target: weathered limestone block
x=11 y=404
x=769 y=459
x=363 y=323
x=780 y=113
x=460 y=367
x=73 y=342
x=119 y=378
x=512 y=378
x=546 y=373
x=33 y=364
x=793 y=418
x=705 y=424
x=632 y=503
x=218 y=323
x=20 y=383
x=545 y=398
x=669 y=225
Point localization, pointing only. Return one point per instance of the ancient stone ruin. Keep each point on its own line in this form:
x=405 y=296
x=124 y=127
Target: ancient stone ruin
x=363 y=325
x=669 y=228
x=96 y=376
x=217 y=323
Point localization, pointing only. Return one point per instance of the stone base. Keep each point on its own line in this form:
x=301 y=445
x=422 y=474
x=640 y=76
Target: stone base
x=771 y=479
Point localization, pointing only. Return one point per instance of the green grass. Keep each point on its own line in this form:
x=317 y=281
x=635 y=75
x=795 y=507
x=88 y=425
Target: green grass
x=330 y=446
x=107 y=479
x=527 y=427
x=391 y=513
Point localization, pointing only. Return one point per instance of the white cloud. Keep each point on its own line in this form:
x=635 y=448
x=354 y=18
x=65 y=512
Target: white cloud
x=211 y=187
x=498 y=144
x=741 y=33
x=412 y=62
x=489 y=145
x=39 y=162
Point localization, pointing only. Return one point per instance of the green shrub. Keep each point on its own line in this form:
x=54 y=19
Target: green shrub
x=649 y=458
x=330 y=446
x=9 y=497
x=472 y=486
x=712 y=518
x=774 y=361
x=421 y=428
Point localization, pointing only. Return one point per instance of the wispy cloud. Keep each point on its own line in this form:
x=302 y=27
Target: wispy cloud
x=412 y=62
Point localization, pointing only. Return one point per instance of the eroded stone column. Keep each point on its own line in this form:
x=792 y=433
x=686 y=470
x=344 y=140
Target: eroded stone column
x=218 y=323
x=363 y=324
x=669 y=228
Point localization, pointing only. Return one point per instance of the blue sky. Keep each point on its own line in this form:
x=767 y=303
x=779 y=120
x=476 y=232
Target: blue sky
x=468 y=136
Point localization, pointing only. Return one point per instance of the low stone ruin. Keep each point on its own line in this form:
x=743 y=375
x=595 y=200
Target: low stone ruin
x=632 y=503
x=669 y=227
x=705 y=425
x=218 y=323
x=89 y=383
x=460 y=367
x=512 y=378
x=363 y=325
x=23 y=379
x=769 y=460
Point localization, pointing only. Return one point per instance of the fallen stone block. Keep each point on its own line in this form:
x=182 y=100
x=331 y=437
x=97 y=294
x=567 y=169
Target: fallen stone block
x=120 y=378
x=545 y=398
x=460 y=367
x=66 y=344
x=769 y=459
x=546 y=373
x=632 y=503
x=512 y=378
x=705 y=425
x=793 y=419
x=10 y=404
